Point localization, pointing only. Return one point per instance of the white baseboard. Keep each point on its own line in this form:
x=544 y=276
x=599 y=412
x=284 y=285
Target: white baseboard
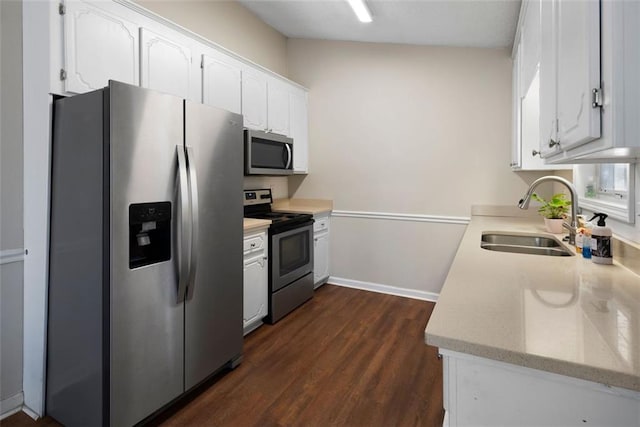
x=384 y=289
x=33 y=414
x=11 y=405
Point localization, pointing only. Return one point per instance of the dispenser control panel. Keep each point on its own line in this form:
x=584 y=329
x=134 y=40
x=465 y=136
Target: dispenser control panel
x=149 y=233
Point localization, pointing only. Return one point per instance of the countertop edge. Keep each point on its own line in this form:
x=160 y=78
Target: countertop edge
x=540 y=363
x=305 y=206
x=252 y=224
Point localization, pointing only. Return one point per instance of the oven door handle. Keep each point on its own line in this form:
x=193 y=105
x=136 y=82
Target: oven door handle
x=289 y=156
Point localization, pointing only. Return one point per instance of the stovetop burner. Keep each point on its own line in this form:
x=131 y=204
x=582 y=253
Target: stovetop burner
x=257 y=204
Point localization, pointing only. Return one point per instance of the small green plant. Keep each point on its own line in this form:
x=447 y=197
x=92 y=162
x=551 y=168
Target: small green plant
x=556 y=208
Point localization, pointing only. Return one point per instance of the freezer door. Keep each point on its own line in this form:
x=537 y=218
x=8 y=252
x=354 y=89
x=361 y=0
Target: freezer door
x=146 y=319
x=213 y=330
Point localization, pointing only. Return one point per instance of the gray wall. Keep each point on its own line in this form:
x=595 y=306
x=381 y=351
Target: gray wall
x=11 y=232
x=404 y=129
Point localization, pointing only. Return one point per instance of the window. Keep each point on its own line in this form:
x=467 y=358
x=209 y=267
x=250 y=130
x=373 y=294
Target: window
x=608 y=181
x=608 y=188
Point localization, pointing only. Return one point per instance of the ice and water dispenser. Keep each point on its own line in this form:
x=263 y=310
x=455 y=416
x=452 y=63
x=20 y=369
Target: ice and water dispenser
x=149 y=233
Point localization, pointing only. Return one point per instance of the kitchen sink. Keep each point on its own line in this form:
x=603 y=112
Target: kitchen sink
x=523 y=244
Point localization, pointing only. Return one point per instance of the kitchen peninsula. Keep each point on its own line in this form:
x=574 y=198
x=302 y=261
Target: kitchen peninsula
x=512 y=327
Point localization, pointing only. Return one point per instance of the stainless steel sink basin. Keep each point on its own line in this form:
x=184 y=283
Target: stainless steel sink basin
x=523 y=244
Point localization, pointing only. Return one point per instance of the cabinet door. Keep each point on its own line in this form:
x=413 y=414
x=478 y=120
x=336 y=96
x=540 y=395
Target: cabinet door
x=529 y=45
x=548 y=134
x=165 y=64
x=98 y=46
x=299 y=129
x=222 y=82
x=320 y=257
x=278 y=107
x=254 y=99
x=255 y=289
x=516 y=112
x=578 y=71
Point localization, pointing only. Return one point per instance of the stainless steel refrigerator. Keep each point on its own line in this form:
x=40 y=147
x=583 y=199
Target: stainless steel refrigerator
x=145 y=280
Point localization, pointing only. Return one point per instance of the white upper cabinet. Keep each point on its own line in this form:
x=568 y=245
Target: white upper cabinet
x=278 y=107
x=101 y=40
x=165 y=64
x=516 y=145
x=548 y=80
x=529 y=44
x=589 y=86
x=265 y=102
x=620 y=98
x=569 y=73
x=578 y=70
x=527 y=107
x=254 y=99
x=98 y=46
x=221 y=81
x=299 y=129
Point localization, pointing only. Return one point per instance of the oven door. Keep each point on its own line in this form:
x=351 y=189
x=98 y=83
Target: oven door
x=291 y=255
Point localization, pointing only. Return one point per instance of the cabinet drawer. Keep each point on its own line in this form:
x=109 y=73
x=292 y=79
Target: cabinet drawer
x=321 y=224
x=254 y=243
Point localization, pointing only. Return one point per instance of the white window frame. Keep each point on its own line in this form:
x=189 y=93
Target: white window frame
x=621 y=209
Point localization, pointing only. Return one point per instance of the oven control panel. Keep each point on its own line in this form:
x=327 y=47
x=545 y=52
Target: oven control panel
x=257 y=197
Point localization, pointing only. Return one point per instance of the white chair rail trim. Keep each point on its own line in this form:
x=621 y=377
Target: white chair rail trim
x=461 y=220
x=11 y=255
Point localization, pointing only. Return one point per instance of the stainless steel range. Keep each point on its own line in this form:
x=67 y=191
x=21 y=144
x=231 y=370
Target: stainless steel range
x=290 y=254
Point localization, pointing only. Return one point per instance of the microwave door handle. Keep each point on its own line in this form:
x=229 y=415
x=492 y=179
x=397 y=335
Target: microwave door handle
x=289 y=156
x=195 y=221
x=185 y=224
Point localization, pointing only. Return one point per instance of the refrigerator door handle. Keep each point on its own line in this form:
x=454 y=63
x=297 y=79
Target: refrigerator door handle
x=195 y=219
x=184 y=256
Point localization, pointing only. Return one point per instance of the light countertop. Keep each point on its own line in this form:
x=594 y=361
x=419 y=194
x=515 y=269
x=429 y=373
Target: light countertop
x=565 y=315
x=307 y=206
x=253 y=224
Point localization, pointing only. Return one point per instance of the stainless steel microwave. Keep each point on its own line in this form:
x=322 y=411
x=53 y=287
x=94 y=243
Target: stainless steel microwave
x=267 y=153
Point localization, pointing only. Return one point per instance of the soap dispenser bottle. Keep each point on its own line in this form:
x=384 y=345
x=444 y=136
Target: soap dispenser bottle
x=601 y=241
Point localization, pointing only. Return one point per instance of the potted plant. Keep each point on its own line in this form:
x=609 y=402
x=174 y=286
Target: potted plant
x=554 y=211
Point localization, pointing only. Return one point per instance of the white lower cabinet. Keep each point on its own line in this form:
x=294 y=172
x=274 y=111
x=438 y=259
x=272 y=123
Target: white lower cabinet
x=320 y=249
x=483 y=392
x=255 y=280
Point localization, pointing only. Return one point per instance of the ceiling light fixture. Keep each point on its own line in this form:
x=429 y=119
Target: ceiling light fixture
x=361 y=10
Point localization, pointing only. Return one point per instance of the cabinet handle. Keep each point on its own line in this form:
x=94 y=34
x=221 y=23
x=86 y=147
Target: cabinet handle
x=535 y=152
x=553 y=143
x=264 y=258
x=253 y=245
x=315 y=240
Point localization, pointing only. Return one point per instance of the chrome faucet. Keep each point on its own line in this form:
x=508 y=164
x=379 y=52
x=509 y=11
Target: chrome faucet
x=573 y=227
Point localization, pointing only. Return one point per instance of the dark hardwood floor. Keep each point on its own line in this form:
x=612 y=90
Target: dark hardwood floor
x=346 y=358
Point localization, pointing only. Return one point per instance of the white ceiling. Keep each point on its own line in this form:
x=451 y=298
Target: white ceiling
x=471 y=23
